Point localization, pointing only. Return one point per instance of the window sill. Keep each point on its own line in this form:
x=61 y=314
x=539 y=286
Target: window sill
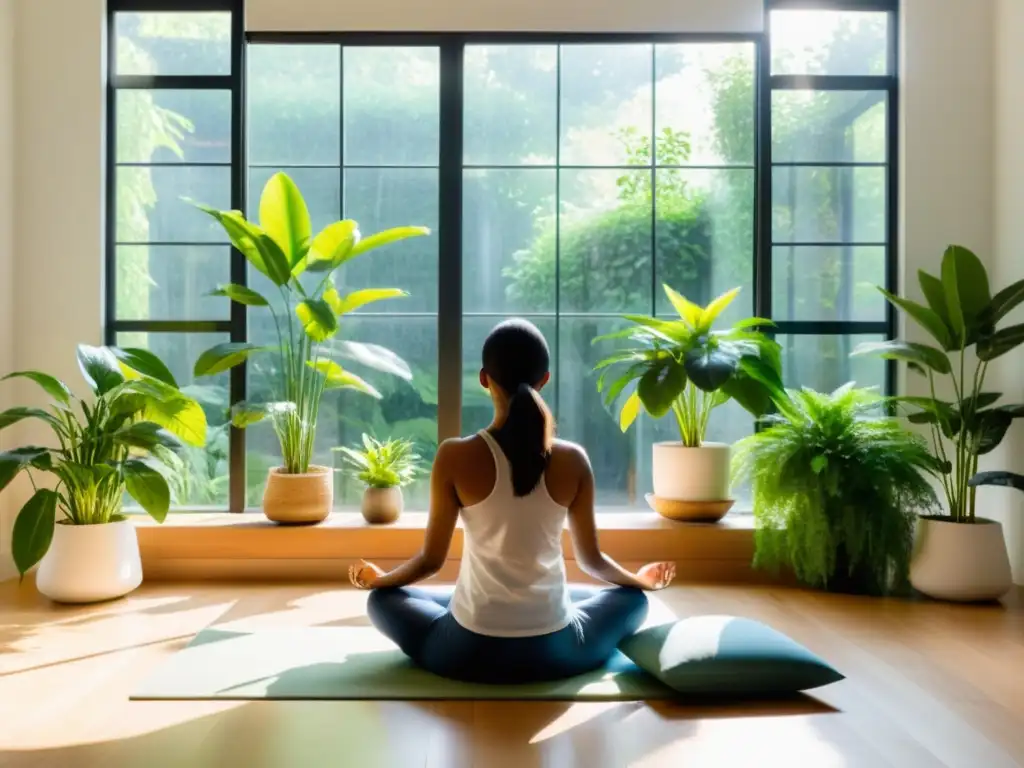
x=216 y=545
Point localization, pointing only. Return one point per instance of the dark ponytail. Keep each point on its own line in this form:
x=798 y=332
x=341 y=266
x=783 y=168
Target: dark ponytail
x=516 y=358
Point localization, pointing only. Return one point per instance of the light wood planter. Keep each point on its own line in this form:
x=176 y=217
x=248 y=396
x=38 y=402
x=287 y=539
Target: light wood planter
x=690 y=511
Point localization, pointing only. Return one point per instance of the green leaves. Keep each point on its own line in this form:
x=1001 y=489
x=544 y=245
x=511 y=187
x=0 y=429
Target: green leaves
x=688 y=311
x=285 y=218
x=241 y=294
x=33 y=529
x=147 y=435
x=245 y=414
x=338 y=378
x=165 y=406
x=16 y=459
x=1004 y=302
x=630 y=410
x=14 y=415
x=1000 y=342
x=318 y=321
x=358 y=299
x=926 y=318
x=935 y=294
x=1004 y=479
x=716 y=307
x=660 y=386
x=907 y=351
x=709 y=368
x=965 y=285
x=148 y=487
x=100 y=368
x=386 y=237
x=259 y=248
x=144 y=362
x=55 y=388
x=222 y=357
x=333 y=246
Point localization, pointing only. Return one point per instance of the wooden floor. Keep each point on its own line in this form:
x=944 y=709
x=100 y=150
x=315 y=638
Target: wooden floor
x=928 y=685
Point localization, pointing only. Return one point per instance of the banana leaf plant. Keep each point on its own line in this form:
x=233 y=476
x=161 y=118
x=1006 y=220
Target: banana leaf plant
x=994 y=478
x=307 y=317
x=124 y=440
x=687 y=368
x=960 y=315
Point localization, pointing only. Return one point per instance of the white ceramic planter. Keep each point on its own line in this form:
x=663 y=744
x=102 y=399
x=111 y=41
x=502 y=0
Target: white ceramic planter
x=89 y=563
x=691 y=474
x=299 y=499
x=960 y=561
x=382 y=505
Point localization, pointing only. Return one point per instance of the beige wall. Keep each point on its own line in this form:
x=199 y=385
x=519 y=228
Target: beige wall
x=6 y=241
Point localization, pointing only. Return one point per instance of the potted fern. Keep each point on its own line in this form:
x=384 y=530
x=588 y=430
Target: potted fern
x=837 y=486
x=122 y=442
x=962 y=555
x=687 y=368
x=384 y=467
x=305 y=318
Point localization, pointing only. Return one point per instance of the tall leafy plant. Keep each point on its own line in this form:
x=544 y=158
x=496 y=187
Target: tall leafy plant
x=282 y=248
x=124 y=440
x=687 y=368
x=836 y=488
x=961 y=316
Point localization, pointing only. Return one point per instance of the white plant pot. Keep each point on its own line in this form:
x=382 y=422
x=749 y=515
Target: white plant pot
x=382 y=505
x=89 y=563
x=691 y=474
x=964 y=562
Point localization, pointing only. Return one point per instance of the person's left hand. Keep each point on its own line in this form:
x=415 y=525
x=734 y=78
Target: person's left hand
x=364 y=574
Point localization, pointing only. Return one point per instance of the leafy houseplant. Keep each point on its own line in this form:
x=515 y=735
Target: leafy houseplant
x=961 y=315
x=125 y=441
x=384 y=467
x=836 y=489
x=687 y=368
x=305 y=319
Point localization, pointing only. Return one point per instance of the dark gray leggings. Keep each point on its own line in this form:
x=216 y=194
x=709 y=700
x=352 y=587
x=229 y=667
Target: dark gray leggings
x=420 y=623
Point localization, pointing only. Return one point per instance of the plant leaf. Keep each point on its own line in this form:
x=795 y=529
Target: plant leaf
x=145 y=362
x=358 y=299
x=241 y=294
x=33 y=529
x=1000 y=342
x=14 y=415
x=1003 y=303
x=372 y=356
x=318 y=321
x=630 y=410
x=16 y=459
x=333 y=246
x=925 y=317
x=1006 y=479
x=688 y=311
x=100 y=368
x=660 y=386
x=908 y=351
x=990 y=430
x=259 y=249
x=245 y=414
x=965 y=285
x=168 y=407
x=285 y=218
x=716 y=307
x=147 y=435
x=935 y=295
x=148 y=487
x=54 y=387
x=386 y=237
x=338 y=378
x=709 y=368
x=221 y=357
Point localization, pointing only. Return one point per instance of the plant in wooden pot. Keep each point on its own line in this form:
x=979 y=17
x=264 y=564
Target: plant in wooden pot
x=837 y=485
x=384 y=467
x=122 y=441
x=962 y=555
x=687 y=368
x=306 y=315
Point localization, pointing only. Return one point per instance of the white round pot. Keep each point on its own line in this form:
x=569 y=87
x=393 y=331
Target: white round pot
x=382 y=505
x=965 y=562
x=89 y=563
x=691 y=474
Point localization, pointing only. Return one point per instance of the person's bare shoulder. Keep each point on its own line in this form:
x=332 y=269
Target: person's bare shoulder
x=570 y=457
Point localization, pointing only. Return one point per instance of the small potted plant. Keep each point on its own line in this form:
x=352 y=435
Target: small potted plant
x=960 y=556
x=837 y=486
x=123 y=442
x=384 y=467
x=305 y=318
x=686 y=368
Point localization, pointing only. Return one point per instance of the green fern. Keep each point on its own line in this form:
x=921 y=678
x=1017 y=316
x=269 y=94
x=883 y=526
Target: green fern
x=388 y=464
x=837 y=486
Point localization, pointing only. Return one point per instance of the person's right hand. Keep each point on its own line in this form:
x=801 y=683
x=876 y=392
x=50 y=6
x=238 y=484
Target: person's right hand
x=655 y=576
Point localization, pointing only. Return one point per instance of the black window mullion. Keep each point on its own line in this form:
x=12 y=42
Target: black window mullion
x=239 y=270
x=174 y=82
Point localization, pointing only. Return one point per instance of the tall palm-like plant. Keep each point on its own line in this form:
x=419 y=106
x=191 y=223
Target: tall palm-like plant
x=282 y=247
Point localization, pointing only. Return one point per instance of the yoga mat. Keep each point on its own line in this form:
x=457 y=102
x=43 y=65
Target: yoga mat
x=354 y=663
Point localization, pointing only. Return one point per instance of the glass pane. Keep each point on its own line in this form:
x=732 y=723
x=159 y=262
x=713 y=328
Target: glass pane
x=828 y=283
x=606 y=104
x=510 y=100
x=392 y=106
x=205 y=481
x=152 y=207
x=383 y=198
x=294 y=95
x=705 y=237
x=320 y=188
x=173 y=43
x=817 y=42
x=171 y=282
x=477 y=410
x=508 y=241
x=408 y=408
x=828 y=126
x=705 y=103
x=828 y=204
x=605 y=241
x=824 y=363
x=167 y=126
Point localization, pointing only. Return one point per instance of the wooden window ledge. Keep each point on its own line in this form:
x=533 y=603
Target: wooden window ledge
x=221 y=545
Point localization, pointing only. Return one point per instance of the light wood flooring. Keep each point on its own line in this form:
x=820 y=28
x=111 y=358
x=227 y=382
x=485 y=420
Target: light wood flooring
x=928 y=684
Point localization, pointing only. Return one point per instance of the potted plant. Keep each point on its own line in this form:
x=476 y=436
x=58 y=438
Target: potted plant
x=837 y=485
x=384 y=467
x=687 y=368
x=306 y=318
x=959 y=556
x=123 y=442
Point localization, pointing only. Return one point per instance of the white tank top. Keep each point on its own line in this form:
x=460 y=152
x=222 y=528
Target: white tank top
x=512 y=579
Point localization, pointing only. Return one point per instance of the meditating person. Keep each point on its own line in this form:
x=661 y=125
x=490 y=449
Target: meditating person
x=511 y=617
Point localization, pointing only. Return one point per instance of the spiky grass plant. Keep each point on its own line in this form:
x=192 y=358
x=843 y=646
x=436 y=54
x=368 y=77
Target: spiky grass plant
x=837 y=486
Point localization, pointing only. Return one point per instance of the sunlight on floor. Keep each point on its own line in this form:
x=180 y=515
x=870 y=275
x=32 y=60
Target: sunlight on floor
x=574 y=716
